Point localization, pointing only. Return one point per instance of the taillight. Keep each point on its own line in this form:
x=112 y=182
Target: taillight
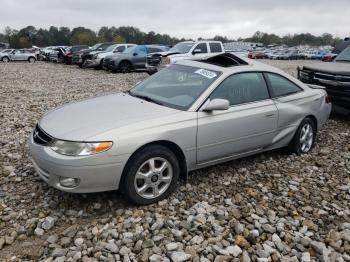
x=328 y=100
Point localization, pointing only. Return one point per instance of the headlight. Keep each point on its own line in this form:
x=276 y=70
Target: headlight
x=80 y=148
x=94 y=56
x=166 y=60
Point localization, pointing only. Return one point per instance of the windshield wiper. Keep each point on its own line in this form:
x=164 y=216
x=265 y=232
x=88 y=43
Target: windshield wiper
x=146 y=98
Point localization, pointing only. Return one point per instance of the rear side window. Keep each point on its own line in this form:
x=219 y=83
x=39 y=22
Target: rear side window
x=280 y=86
x=242 y=88
x=215 y=47
x=202 y=47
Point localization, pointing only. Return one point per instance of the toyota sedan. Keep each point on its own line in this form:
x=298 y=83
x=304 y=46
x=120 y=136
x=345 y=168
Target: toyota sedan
x=189 y=115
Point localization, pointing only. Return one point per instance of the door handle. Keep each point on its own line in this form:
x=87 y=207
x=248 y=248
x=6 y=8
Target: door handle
x=269 y=115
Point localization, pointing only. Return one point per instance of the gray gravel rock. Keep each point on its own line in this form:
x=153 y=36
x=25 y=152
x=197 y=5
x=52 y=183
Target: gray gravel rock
x=179 y=256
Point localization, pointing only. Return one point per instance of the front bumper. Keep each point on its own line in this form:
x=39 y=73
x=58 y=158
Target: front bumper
x=338 y=91
x=92 y=62
x=96 y=173
x=77 y=59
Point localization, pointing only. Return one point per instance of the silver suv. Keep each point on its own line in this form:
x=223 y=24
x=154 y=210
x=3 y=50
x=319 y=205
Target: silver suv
x=19 y=55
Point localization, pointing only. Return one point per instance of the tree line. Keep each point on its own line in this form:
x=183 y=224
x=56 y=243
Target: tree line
x=29 y=36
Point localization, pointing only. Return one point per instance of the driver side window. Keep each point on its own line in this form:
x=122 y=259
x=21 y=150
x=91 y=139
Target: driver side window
x=202 y=47
x=242 y=88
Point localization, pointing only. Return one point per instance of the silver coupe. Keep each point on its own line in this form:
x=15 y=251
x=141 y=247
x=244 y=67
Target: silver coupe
x=189 y=115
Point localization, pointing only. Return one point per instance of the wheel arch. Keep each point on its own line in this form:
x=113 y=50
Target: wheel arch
x=126 y=60
x=314 y=119
x=31 y=57
x=176 y=149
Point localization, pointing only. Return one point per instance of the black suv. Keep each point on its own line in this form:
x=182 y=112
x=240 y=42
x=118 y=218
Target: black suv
x=335 y=76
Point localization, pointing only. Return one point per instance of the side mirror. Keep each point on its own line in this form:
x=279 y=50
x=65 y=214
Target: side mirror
x=135 y=54
x=196 y=51
x=115 y=51
x=99 y=49
x=216 y=104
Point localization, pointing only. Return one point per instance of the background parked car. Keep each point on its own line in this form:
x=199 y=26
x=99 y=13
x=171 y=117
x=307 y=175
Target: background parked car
x=80 y=56
x=97 y=59
x=133 y=58
x=335 y=76
x=182 y=51
x=67 y=56
x=5 y=54
x=57 y=55
x=329 y=57
x=19 y=55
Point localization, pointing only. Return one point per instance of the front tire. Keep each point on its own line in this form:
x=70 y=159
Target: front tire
x=150 y=175
x=5 y=59
x=125 y=66
x=304 y=138
x=31 y=60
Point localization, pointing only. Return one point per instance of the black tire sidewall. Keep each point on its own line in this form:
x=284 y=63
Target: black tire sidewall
x=125 y=67
x=294 y=146
x=127 y=182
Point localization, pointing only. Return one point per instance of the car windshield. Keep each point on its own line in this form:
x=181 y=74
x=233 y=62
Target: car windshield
x=95 y=46
x=344 y=55
x=181 y=48
x=110 y=48
x=176 y=86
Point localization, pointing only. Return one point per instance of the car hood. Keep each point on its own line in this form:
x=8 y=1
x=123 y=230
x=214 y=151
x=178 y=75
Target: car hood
x=341 y=68
x=87 y=118
x=105 y=54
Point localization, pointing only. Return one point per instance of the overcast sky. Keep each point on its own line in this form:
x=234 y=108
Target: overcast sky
x=185 y=18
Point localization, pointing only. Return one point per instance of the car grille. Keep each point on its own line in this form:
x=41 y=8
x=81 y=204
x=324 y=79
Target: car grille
x=339 y=78
x=154 y=60
x=40 y=137
x=332 y=79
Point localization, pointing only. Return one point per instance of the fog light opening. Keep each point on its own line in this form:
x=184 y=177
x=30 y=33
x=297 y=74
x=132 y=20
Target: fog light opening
x=69 y=182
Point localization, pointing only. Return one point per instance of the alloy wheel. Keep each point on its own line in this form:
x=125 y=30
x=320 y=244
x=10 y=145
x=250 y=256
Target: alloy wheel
x=153 y=177
x=306 y=138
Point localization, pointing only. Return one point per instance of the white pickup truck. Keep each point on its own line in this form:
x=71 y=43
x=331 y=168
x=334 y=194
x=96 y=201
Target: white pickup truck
x=181 y=51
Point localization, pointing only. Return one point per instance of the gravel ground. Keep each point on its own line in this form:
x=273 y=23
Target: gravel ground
x=268 y=207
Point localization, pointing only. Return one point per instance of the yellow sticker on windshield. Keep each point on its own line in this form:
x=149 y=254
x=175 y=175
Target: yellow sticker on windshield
x=206 y=73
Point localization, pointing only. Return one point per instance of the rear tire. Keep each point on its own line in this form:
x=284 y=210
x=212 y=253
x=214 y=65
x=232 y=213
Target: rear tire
x=304 y=138
x=31 y=60
x=151 y=175
x=125 y=67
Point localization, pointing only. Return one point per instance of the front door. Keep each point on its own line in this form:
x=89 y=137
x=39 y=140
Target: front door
x=248 y=126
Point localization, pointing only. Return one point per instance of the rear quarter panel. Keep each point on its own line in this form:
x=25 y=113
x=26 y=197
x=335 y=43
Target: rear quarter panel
x=294 y=108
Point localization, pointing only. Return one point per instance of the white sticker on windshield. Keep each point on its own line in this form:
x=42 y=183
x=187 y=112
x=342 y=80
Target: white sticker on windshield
x=206 y=73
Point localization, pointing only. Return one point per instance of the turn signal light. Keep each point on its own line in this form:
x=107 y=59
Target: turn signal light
x=328 y=100
x=103 y=147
